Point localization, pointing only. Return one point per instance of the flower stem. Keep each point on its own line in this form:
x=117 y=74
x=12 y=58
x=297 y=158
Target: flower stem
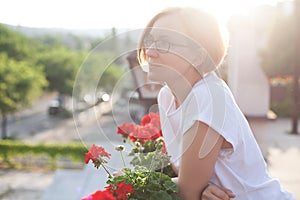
x=161 y=171
x=109 y=175
x=123 y=158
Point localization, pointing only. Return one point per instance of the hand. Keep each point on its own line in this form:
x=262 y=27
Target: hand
x=213 y=192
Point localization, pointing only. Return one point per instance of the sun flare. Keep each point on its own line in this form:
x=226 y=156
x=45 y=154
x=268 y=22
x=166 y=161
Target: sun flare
x=113 y=13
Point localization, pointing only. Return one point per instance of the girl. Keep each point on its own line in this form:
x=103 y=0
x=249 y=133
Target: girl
x=206 y=134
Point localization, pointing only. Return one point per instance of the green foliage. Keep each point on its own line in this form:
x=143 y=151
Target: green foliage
x=61 y=66
x=283 y=108
x=277 y=56
x=149 y=155
x=110 y=77
x=69 y=41
x=152 y=160
x=20 y=84
x=147 y=184
x=10 y=149
x=97 y=73
x=15 y=45
x=61 y=56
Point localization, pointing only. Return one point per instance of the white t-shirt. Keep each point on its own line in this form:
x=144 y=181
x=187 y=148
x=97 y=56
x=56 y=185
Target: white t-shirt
x=241 y=169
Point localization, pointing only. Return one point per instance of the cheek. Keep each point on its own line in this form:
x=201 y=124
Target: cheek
x=164 y=73
x=172 y=66
x=179 y=64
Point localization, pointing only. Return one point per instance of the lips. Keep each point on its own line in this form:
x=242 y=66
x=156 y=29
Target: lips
x=154 y=65
x=151 y=62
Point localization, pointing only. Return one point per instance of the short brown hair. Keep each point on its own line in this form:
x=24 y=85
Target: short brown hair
x=199 y=25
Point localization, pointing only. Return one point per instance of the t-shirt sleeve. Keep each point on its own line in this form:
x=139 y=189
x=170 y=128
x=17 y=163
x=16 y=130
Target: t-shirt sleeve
x=209 y=103
x=163 y=99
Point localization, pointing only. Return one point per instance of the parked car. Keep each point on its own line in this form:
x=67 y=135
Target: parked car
x=54 y=107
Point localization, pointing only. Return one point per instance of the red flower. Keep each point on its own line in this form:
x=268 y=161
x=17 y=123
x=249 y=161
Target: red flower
x=96 y=154
x=123 y=190
x=100 y=195
x=110 y=189
x=126 y=128
x=148 y=130
x=155 y=119
x=156 y=135
x=88 y=157
x=145 y=120
x=143 y=133
x=151 y=118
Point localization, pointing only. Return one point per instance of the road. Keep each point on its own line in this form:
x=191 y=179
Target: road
x=35 y=122
x=35 y=125
x=32 y=120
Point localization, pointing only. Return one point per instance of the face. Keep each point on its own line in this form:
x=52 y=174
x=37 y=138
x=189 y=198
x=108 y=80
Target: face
x=168 y=50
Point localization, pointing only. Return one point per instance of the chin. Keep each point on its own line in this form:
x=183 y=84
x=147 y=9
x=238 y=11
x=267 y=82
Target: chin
x=154 y=77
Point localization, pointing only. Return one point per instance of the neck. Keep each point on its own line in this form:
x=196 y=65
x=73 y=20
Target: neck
x=181 y=87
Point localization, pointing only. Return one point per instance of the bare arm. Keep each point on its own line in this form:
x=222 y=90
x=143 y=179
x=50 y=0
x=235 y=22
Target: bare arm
x=195 y=172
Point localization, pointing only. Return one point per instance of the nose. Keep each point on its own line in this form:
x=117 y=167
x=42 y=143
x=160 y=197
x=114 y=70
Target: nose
x=151 y=52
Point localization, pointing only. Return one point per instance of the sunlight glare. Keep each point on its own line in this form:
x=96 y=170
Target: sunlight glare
x=113 y=13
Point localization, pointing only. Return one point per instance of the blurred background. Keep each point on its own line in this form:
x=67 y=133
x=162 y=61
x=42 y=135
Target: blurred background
x=50 y=113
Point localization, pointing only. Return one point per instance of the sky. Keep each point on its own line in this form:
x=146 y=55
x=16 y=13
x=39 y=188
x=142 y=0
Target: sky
x=96 y=14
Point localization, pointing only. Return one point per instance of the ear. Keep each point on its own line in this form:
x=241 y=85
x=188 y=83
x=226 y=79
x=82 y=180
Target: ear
x=199 y=57
x=203 y=62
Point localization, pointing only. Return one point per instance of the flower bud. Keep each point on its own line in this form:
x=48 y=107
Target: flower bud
x=137 y=144
x=160 y=139
x=120 y=148
x=135 y=150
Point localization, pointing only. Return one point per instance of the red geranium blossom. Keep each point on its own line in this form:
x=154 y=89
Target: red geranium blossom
x=123 y=189
x=100 y=195
x=120 y=191
x=96 y=154
x=145 y=120
x=126 y=128
x=151 y=118
x=143 y=133
x=155 y=119
x=110 y=189
x=147 y=132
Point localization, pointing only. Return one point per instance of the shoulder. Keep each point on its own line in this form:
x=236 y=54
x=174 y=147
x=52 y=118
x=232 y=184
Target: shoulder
x=164 y=95
x=210 y=90
x=163 y=91
x=208 y=103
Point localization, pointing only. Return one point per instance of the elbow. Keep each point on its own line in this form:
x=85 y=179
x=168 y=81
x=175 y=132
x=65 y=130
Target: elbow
x=188 y=192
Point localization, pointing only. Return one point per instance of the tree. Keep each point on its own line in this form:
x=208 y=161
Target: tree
x=281 y=56
x=16 y=45
x=61 y=66
x=68 y=40
x=20 y=84
x=98 y=72
x=277 y=57
x=296 y=63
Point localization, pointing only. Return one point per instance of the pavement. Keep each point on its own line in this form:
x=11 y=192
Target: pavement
x=281 y=149
x=283 y=154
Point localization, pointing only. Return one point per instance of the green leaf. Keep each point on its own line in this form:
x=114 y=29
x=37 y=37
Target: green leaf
x=159 y=195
